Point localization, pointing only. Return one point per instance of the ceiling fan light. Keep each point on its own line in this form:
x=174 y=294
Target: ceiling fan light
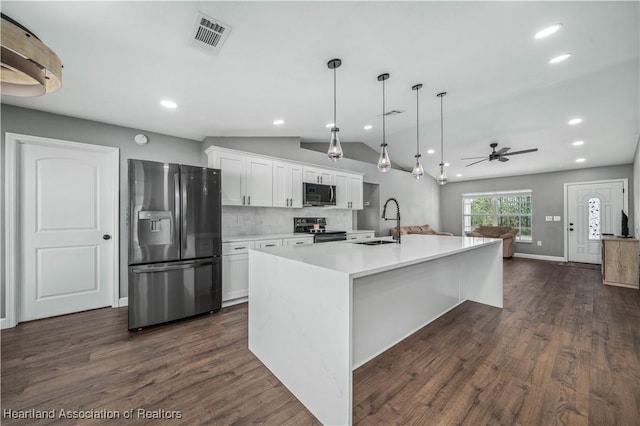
x=335 y=150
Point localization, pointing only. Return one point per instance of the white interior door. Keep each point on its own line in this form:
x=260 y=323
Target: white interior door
x=593 y=209
x=66 y=217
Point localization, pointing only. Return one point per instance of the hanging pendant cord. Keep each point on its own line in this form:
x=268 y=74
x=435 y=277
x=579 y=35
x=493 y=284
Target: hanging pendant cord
x=441 y=136
x=383 y=129
x=335 y=125
x=417 y=124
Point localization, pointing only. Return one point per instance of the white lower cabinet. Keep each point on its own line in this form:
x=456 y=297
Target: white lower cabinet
x=356 y=236
x=235 y=265
x=298 y=241
x=235 y=272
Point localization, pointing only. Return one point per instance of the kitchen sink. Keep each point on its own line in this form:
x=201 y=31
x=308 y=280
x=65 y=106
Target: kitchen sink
x=375 y=243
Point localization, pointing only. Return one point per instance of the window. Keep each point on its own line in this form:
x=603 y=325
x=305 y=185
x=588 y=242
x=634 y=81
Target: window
x=594 y=218
x=508 y=208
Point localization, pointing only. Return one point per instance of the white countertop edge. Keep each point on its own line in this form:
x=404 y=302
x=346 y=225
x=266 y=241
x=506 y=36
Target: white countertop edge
x=421 y=260
x=373 y=271
x=260 y=237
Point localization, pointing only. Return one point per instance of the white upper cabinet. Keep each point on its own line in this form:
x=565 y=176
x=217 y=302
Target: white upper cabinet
x=287 y=184
x=261 y=181
x=318 y=175
x=246 y=180
x=348 y=191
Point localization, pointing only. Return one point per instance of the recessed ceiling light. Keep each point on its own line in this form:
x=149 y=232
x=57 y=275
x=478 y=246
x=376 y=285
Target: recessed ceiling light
x=560 y=58
x=368 y=127
x=168 y=104
x=547 y=31
x=575 y=121
x=580 y=160
x=458 y=175
x=447 y=164
x=330 y=125
x=430 y=151
x=578 y=143
x=278 y=122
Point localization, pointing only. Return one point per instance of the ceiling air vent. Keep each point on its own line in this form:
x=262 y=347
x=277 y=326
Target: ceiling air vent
x=209 y=34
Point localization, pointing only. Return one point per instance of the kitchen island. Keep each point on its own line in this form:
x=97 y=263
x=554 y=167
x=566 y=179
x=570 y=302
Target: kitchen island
x=318 y=312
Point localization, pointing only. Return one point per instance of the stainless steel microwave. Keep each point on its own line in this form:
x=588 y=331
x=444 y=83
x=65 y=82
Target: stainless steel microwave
x=316 y=194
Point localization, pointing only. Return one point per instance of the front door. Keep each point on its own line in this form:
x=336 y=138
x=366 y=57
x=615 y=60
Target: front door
x=593 y=209
x=67 y=203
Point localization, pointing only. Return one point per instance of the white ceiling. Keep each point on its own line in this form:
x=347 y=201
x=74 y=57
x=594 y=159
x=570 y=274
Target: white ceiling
x=121 y=58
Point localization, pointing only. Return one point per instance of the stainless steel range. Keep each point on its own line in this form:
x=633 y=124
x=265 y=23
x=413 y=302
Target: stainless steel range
x=318 y=227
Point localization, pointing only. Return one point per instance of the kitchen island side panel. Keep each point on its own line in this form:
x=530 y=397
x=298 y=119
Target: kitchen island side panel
x=300 y=328
x=482 y=281
x=392 y=305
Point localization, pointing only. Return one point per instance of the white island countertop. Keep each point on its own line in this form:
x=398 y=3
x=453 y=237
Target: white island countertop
x=358 y=260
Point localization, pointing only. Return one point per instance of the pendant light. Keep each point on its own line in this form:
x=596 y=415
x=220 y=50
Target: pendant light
x=384 y=163
x=335 y=150
x=418 y=171
x=442 y=177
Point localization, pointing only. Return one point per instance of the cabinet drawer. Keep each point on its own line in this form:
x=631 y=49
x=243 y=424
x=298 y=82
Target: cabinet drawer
x=268 y=243
x=237 y=248
x=298 y=241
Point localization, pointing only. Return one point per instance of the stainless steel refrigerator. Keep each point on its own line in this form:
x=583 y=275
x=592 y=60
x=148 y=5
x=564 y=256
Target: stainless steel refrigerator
x=175 y=245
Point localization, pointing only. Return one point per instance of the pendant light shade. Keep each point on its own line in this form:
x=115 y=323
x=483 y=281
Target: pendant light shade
x=418 y=170
x=384 y=162
x=442 y=177
x=335 y=150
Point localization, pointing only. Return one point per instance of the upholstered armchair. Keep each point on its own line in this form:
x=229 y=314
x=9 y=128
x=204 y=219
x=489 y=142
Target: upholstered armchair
x=423 y=229
x=507 y=233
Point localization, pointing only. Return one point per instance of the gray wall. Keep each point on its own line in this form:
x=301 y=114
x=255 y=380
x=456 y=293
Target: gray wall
x=548 y=200
x=419 y=199
x=159 y=148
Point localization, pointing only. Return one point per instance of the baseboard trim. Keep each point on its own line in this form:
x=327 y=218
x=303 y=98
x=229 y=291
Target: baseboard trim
x=540 y=257
x=4 y=324
x=124 y=301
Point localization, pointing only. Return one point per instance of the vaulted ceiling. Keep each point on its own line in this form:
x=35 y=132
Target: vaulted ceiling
x=121 y=58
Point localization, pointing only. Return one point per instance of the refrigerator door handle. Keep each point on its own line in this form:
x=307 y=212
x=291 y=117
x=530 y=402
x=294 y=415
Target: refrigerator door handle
x=183 y=212
x=170 y=267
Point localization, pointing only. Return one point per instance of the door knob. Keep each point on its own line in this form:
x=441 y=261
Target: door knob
x=570 y=229
x=571 y=224
x=106 y=237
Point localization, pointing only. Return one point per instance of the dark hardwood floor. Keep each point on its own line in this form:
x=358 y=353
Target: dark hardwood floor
x=564 y=350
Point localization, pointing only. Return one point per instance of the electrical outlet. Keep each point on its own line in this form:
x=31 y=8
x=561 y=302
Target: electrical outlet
x=557 y=218
x=539 y=243
x=548 y=218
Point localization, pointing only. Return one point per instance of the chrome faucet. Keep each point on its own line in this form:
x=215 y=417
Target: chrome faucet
x=397 y=218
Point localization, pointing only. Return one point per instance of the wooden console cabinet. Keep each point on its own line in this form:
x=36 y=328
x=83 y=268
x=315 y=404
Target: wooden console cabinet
x=620 y=262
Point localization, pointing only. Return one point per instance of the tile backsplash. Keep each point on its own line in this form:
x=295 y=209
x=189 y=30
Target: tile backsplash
x=239 y=221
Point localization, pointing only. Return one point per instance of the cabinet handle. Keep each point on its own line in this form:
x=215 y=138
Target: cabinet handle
x=300 y=242
x=248 y=200
x=318 y=179
x=269 y=245
x=289 y=201
x=239 y=248
x=243 y=198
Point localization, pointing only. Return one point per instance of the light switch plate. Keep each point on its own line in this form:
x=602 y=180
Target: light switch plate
x=548 y=218
x=557 y=218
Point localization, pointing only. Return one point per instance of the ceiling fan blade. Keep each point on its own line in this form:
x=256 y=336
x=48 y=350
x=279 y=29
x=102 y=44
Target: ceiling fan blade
x=501 y=158
x=473 y=158
x=502 y=151
x=476 y=162
x=521 y=152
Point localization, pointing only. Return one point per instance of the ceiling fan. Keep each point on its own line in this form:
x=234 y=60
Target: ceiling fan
x=499 y=155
